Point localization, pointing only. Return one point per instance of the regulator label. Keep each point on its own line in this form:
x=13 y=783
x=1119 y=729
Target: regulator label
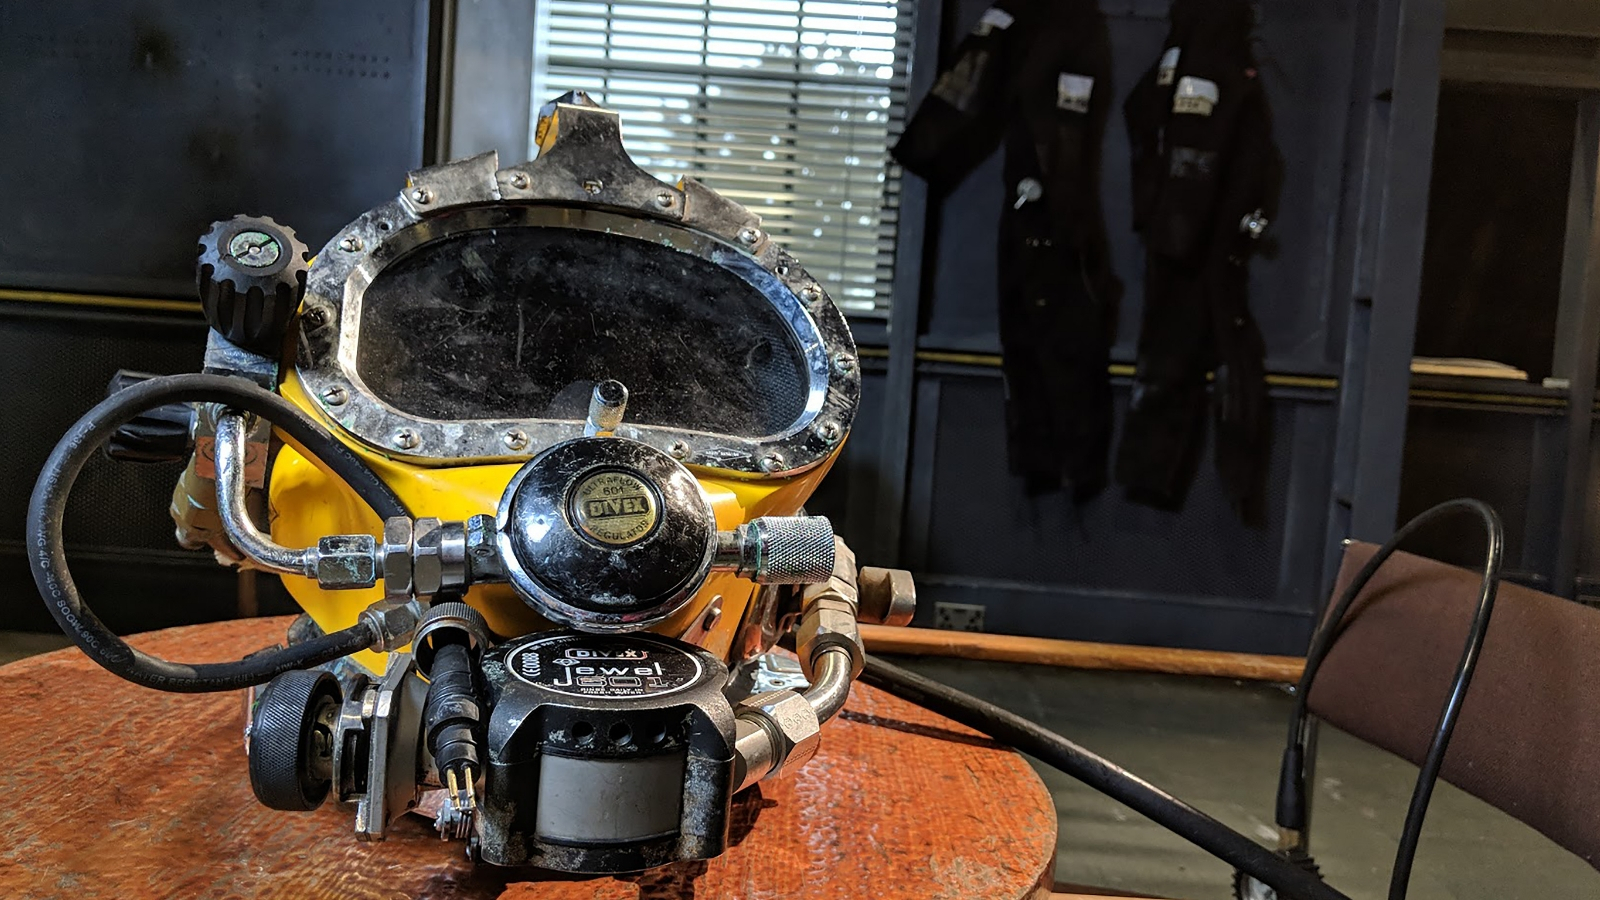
x=614 y=507
x=587 y=665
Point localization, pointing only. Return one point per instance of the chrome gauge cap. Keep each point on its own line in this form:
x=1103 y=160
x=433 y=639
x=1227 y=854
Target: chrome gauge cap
x=605 y=534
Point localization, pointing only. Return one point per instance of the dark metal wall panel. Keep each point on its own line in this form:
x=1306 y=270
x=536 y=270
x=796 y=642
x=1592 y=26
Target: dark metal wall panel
x=1589 y=550
x=131 y=594
x=888 y=483
x=1306 y=56
x=1119 y=617
x=491 y=76
x=1580 y=288
x=128 y=128
x=1393 y=107
x=54 y=364
x=1112 y=569
x=125 y=129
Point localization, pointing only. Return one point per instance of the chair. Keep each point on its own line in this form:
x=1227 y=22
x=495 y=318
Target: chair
x=1528 y=738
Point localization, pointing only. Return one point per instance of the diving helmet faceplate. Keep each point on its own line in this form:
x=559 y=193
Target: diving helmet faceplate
x=468 y=319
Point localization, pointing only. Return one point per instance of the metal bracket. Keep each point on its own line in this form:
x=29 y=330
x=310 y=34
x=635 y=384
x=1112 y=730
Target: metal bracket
x=223 y=357
x=470 y=180
x=394 y=735
x=581 y=160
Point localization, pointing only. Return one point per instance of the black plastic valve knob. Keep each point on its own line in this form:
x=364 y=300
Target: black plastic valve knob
x=251 y=276
x=163 y=434
x=291 y=740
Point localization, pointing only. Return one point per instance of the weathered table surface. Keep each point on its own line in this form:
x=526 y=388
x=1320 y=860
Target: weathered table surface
x=111 y=790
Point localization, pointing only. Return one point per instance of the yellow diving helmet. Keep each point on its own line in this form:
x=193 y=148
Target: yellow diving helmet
x=529 y=445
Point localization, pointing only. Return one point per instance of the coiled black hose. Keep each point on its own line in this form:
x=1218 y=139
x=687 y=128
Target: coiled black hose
x=47 y=554
x=1292 y=790
x=1104 y=776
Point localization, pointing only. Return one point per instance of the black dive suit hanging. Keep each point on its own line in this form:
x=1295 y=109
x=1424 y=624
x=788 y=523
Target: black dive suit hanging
x=1036 y=73
x=1203 y=165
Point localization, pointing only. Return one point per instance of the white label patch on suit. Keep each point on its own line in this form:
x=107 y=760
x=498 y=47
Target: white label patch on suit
x=1196 y=96
x=993 y=18
x=1168 y=66
x=1072 y=92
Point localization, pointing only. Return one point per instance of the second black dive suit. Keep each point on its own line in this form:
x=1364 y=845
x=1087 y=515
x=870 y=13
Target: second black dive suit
x=1203 y=166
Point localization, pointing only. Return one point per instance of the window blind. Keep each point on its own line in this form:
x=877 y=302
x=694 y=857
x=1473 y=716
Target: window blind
x=786 y=106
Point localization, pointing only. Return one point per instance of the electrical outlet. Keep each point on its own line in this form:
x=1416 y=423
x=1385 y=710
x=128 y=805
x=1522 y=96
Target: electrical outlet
x=958 y=616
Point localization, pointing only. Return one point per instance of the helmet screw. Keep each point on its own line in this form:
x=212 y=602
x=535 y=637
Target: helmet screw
x=679 y=450
x=749 y=235
x=335 y=396
x=520 y=181
x=350 y=244
x=844 y=363
x=810 y=294
x=516 y=439
x=772 y=462
x=406 y=439
x=664 y=200
x=421 y=196
x=830 y=432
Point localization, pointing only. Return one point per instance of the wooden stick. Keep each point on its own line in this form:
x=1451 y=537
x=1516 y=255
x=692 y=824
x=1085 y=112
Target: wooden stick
x=1082 y=896
x=1081 y=654
x=1084 y=892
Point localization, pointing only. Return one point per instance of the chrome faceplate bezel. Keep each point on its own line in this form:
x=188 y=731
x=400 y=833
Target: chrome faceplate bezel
x=582 y=179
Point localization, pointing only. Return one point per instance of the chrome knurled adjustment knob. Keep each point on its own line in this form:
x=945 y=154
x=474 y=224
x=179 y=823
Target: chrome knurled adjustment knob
x=779 y=550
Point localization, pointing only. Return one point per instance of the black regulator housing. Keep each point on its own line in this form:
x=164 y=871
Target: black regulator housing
x=606 y=534
x=605 y=753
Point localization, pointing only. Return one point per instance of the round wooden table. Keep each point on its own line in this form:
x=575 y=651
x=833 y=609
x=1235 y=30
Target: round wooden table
x=111 y=790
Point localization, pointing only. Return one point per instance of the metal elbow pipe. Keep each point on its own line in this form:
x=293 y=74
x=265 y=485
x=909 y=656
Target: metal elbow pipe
x=231 y=509
x=831 y=686
x=780 y=731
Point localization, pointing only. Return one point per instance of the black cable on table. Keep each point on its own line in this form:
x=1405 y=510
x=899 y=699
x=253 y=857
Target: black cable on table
x=1104 y=776
x=47 y=553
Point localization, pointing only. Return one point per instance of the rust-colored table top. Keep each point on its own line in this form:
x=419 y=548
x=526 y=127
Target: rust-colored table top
x=111 y=790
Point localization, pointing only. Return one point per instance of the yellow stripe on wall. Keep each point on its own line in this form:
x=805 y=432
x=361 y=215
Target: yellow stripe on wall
x=101 y=301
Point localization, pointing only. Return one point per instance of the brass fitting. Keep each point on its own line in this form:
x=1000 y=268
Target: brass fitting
x=828 y=615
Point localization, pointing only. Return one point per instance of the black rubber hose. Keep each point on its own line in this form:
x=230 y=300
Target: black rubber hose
x=1292 y=787
x=47 y=553
x=1104 y=776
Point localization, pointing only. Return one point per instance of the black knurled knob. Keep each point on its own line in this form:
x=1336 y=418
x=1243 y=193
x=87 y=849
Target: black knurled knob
x=159 y=435
x=251 y=276
x=291 y=740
